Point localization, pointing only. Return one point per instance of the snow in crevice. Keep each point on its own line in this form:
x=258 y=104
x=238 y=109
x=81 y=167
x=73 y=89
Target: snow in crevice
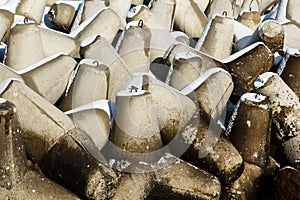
x=262 y=79
x=241 y=52
x=127 y=27
x=201 y=79
x=232 y=119
x=39 y=63
x=281 y=12
x=205 y=31
x=254 y=97
x=10 y=5
x=100 y=104
x=4 y=85
x=282 y=64
x=170 y=72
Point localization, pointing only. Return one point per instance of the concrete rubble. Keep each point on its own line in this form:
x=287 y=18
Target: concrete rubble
x=150 y=99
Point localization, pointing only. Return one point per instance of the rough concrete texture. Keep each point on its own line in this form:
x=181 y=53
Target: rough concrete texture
x=260 y=58
x=40 y=131
x=246 y=186
x=17 y=181
x=287 y=184
x=285 y=105
x=70 y=165
x=210 y=150
x=289 y=71
x=251 y=131
x=172 y=178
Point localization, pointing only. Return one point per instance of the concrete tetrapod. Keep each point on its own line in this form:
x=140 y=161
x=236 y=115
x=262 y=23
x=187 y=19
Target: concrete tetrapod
x=44 y=42
x=217 y=37
x=286 y=15
x=32 y=9
x=258 y=56
x=48 y=77
x=250 y=129
x=180 y=37
x=39 y=131
x=28 y=44
x=250 y=19
x=161 y=39
x=88 y=83
x=98 y=23
x=245 y=187
x=94 y=120
x=174 y=110
x=190 y=17
x=70 y=165
x=176 y=180
x=121 y=8
x=185 y=68
x=270 y=32
x=7 y=16
x=285 y=107
x=17 y=181
x=6 y=73
x=158 y=15
x=53 y=142
x=146 y=123
x=7 y=19
x=134 y=46
x=289 y=70
x=169 y=178
x=99 y=48
x=210 y=86
x=211 y=151
x=179 y=47
x=135 y=127
x=13 y=159
x=62 y=15
x=286 y=184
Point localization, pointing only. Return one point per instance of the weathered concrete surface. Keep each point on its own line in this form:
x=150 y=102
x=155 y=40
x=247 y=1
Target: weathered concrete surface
x=68 y=164
x=251 y=130
x=17 y=181
x=211 y=151
x=287 y=184
x=40 y=131
x=169 y=178
x=258 y=56
x=246 y=186
x=285 y=107
x=289 y=70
